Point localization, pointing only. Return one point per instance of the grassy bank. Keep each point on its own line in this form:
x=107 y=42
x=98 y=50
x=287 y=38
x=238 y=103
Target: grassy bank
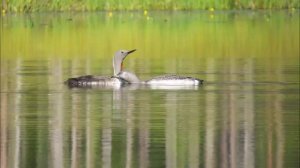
x=112 y=5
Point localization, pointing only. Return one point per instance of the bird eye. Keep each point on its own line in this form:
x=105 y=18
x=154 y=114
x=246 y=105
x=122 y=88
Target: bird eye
x=122 y=52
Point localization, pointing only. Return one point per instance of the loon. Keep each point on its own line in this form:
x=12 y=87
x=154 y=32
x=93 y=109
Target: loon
x=172 y=79
x=91 y=80
x=122 y=77
x=165 y=80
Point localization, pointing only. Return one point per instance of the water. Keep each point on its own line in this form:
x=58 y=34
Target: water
x=245 y=115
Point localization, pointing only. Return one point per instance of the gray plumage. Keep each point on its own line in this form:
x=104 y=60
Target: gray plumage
x=90 y=80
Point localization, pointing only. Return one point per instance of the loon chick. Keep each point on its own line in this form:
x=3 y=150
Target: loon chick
x=90 y=80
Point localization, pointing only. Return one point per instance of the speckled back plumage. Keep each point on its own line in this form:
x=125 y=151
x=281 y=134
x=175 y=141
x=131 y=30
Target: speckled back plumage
x=90 y=80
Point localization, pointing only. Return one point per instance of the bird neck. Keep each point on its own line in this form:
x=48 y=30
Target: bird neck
x=117 y=66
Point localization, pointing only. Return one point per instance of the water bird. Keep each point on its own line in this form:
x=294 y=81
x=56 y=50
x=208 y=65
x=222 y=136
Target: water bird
x=115 y=80
x=163 y=80
x=122 y=77
x=172 y=79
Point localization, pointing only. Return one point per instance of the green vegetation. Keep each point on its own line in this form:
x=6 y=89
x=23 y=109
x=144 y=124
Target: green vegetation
x=113 y=5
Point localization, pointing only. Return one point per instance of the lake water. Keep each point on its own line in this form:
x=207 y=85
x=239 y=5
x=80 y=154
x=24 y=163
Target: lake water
x=245 y=115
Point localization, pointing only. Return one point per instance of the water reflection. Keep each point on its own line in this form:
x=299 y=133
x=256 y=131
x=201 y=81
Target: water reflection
x=127 y=116
x=57 y=116
x=210 y=117
x=106 y=134
x=249 y=115
x=136 y=127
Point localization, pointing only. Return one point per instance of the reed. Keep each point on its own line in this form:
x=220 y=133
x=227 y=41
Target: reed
x=19 y=6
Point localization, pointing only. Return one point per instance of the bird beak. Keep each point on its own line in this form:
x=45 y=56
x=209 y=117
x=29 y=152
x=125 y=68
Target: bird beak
x=131 y=51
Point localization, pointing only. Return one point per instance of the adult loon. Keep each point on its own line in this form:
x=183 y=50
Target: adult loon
x=166 y=80
x=91 y=80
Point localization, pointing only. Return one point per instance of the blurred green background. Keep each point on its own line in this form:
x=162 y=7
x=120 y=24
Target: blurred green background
x=248 y=108
x=113 y=5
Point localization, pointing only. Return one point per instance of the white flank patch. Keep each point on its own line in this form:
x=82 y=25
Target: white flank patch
x=174 y=82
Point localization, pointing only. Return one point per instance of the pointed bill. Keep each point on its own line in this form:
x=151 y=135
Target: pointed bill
x=131 y=51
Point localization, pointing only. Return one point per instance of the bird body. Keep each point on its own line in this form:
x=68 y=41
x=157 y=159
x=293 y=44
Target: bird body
x=174 y=80
x=91 y=80
x=122 y=77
